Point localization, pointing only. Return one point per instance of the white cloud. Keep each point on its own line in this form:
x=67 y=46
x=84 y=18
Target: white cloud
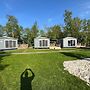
x=50 y=20
x=8 y=6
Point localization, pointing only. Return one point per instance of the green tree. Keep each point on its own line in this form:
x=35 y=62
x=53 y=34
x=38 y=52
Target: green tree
x=73 y=26
x=1 y=31
x=83 y=32
x=88 y=33
x=67 y=21
x=76 y=28
x=34 y=32
x=42 y=33
x=19 y=34
x=54 y=32
x=12 y=26
x=27 y=36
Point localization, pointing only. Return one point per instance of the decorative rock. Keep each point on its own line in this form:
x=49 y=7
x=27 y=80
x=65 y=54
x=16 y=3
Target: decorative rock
x=79 y=68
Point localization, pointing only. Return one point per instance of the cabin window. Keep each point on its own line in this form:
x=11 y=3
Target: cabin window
x=46 y=43
x=40 y=42
x=71 y=43
x=10 y=42
x=14 y=43
x=6 y=44
x=43 y=43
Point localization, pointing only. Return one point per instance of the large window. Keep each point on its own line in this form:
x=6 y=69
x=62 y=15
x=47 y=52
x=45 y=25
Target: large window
x=46 y=43
x=6 y=44
x=43 y=43
x=40 y=42
x=14 y=43
x=71 y=43
x=10 y=44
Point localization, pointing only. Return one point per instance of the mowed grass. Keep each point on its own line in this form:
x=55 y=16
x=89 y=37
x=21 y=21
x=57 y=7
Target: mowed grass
x=29 y=50
x=48 y=69
x=37 y=50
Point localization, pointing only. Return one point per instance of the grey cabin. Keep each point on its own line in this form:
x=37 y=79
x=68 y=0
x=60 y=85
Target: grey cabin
x=68 y=42
x=8 y=43
x=41 y=42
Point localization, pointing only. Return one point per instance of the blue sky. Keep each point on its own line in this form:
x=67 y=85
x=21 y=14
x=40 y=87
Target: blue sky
x=45 y=12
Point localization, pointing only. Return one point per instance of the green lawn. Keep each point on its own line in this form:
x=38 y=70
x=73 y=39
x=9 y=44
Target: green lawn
x=38 y=50
x=29 y=50
x=48 y=70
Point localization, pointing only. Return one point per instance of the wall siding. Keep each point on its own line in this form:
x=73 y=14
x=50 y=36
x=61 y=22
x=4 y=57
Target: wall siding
x=65 y=42
x=37 y=45
x=3 y=46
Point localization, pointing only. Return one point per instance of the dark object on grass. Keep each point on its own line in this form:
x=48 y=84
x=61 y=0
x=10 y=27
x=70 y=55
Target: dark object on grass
x=26 y=80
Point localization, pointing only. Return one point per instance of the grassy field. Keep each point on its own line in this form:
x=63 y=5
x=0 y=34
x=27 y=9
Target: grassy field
x=37 y=50
x=48 y=69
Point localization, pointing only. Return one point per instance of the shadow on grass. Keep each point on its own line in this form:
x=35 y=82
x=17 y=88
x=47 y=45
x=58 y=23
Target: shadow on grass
x=2 y=67
x=75 y=55
x=26 y=80
x=2 y=55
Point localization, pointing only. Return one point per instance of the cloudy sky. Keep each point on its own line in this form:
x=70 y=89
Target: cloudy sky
x=45 y=12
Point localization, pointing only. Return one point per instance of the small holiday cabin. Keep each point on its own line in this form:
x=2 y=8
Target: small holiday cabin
x=68 y=42
x=8 y=43
x=41 y=42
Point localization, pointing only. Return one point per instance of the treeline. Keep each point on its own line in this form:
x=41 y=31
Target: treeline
x=73 y=26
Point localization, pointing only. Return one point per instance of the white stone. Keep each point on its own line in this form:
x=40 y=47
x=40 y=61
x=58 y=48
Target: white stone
x=79 y=68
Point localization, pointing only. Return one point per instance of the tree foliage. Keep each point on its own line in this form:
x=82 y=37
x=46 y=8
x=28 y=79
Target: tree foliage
x=73 y=26
x=34 y=30
x=67 y=21
x=1 y=31
x=12 y=27
x=54 y=32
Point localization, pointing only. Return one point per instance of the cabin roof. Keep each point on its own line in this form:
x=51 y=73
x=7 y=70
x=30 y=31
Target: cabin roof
x=7 y=37
x=41 y=37
x=69 y=38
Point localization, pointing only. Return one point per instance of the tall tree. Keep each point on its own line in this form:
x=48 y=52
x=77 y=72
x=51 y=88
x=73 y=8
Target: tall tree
x=12 y=26
x=27 y=36
x=41 y=33
x=76 y=27
x=83 y=32
x=67 y=21
x=88 y=33
x=73 y=26
x=1 y=31
x=34 y=32
x=19 y=34
x=55 y=32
